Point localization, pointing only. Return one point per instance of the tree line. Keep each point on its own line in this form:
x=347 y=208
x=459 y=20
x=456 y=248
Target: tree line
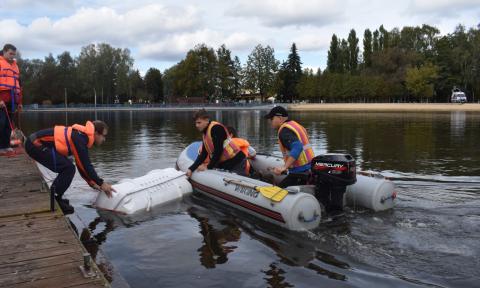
x=400 y=65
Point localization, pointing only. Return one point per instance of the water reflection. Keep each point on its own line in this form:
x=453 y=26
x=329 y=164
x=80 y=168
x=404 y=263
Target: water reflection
x=216 y=236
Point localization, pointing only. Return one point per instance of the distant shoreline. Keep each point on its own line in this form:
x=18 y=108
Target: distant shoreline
x=385 y=107
x=367 y=107
x=133 y=108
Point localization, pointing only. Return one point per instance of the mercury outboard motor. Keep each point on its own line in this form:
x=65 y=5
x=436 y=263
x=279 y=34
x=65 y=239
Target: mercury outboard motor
x=332 y=173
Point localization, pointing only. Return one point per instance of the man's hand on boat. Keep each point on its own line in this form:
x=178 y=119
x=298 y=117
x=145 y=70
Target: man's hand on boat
x=107 y=188
x=279 y=170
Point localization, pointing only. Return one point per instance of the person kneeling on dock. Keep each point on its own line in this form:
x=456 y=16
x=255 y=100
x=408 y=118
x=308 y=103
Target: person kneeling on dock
x=295 y=146
x=51 y=147
x=221 y=150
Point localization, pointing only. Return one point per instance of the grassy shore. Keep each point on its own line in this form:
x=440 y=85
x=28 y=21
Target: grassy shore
x=416 y=107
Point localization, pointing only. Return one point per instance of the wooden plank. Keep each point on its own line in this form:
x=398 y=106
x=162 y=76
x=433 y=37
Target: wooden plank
x=35 y=225
x=33 y=237
x=30 y=216
x=41 y=273
x=31 y=255
x=40 y=263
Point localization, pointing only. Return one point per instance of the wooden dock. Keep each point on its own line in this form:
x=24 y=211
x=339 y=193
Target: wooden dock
x=38 y=248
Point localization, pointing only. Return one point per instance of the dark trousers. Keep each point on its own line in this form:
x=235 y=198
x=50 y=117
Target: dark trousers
x=5 y=129
x=295 y=179
x=50 y=158
x=237 y=164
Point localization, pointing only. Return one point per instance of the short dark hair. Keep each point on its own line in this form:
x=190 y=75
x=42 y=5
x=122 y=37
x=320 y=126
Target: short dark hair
x=9 y=47
x=232 y=131
x=100 y=126
x=201 y=114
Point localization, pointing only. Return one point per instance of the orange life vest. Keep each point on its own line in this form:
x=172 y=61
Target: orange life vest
x=307 y=154
x=9 y=75
x=62 y=136
x=243 y=145
x=229 y=147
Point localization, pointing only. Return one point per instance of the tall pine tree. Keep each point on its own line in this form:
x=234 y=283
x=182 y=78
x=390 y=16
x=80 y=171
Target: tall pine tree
x=367 y=48
x=333 y=59
x=352 y=51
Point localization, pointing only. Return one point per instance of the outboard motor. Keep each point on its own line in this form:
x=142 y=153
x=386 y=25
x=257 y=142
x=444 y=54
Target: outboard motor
x=332 y=173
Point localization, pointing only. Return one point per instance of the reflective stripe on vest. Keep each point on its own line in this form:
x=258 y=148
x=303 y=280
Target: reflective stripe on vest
x=229 y=148
x=307 y=154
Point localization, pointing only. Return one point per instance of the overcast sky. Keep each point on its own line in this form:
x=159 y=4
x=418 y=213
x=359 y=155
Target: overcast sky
x=159 y=33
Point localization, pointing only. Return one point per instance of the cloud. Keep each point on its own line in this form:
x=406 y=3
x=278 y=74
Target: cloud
x=290 y=12
x=312 y=41
x=87 y=25
x=442 y=7
x=174 y=47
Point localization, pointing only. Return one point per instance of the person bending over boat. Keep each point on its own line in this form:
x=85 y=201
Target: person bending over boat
x=51 y=147
x=244 y=146
x=295 y=147
x=221 y=150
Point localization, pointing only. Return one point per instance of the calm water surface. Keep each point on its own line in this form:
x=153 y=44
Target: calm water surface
x=431 y=239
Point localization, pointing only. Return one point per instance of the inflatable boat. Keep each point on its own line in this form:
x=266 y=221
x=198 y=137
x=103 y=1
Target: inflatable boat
x=294 y=211
x=299 y=209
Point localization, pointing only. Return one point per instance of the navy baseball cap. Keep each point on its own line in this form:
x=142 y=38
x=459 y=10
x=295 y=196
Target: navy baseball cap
x=277 y=111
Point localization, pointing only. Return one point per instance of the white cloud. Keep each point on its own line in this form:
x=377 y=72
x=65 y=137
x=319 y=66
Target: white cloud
x=442 y=7
x=175 y=46
x=89 y=25
x=312 y=41
x=290 y=12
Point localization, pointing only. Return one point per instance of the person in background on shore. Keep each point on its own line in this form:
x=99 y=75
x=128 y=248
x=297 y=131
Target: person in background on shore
x=221 y=150
x=295 y=146
x=10 y=94
x=244 y=146
x=51 y=147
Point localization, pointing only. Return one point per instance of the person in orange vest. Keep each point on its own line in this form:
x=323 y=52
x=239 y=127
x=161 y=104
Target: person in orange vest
x=217 y=146
x=295 y=146
x=10 y=94
x=244 y=146
x=51 y=147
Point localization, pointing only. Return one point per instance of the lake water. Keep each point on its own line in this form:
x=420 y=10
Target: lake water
x=431 y=238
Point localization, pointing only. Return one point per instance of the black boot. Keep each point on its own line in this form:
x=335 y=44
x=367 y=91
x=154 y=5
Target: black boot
x=65 y=206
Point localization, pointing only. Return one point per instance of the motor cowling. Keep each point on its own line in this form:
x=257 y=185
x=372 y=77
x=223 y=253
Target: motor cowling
x=332 y=173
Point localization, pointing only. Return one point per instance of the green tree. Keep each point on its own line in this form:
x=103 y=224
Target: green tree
x=353 y=51
x=226 y=73
x=333 y=60
x=154 y=85
x=367 y=48
x=420 y=81
x=260 y=70
x=293 y=73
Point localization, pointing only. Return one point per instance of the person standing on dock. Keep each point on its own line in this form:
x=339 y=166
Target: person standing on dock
x=51 y=147
x=10 y=94
x=295 y=146
x=221 y=150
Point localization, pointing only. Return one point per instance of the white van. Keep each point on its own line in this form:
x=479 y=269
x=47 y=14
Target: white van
x=458 y=96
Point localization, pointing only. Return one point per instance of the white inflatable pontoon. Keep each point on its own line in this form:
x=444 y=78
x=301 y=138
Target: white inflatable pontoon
x=157 y=187
x=297 y=211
